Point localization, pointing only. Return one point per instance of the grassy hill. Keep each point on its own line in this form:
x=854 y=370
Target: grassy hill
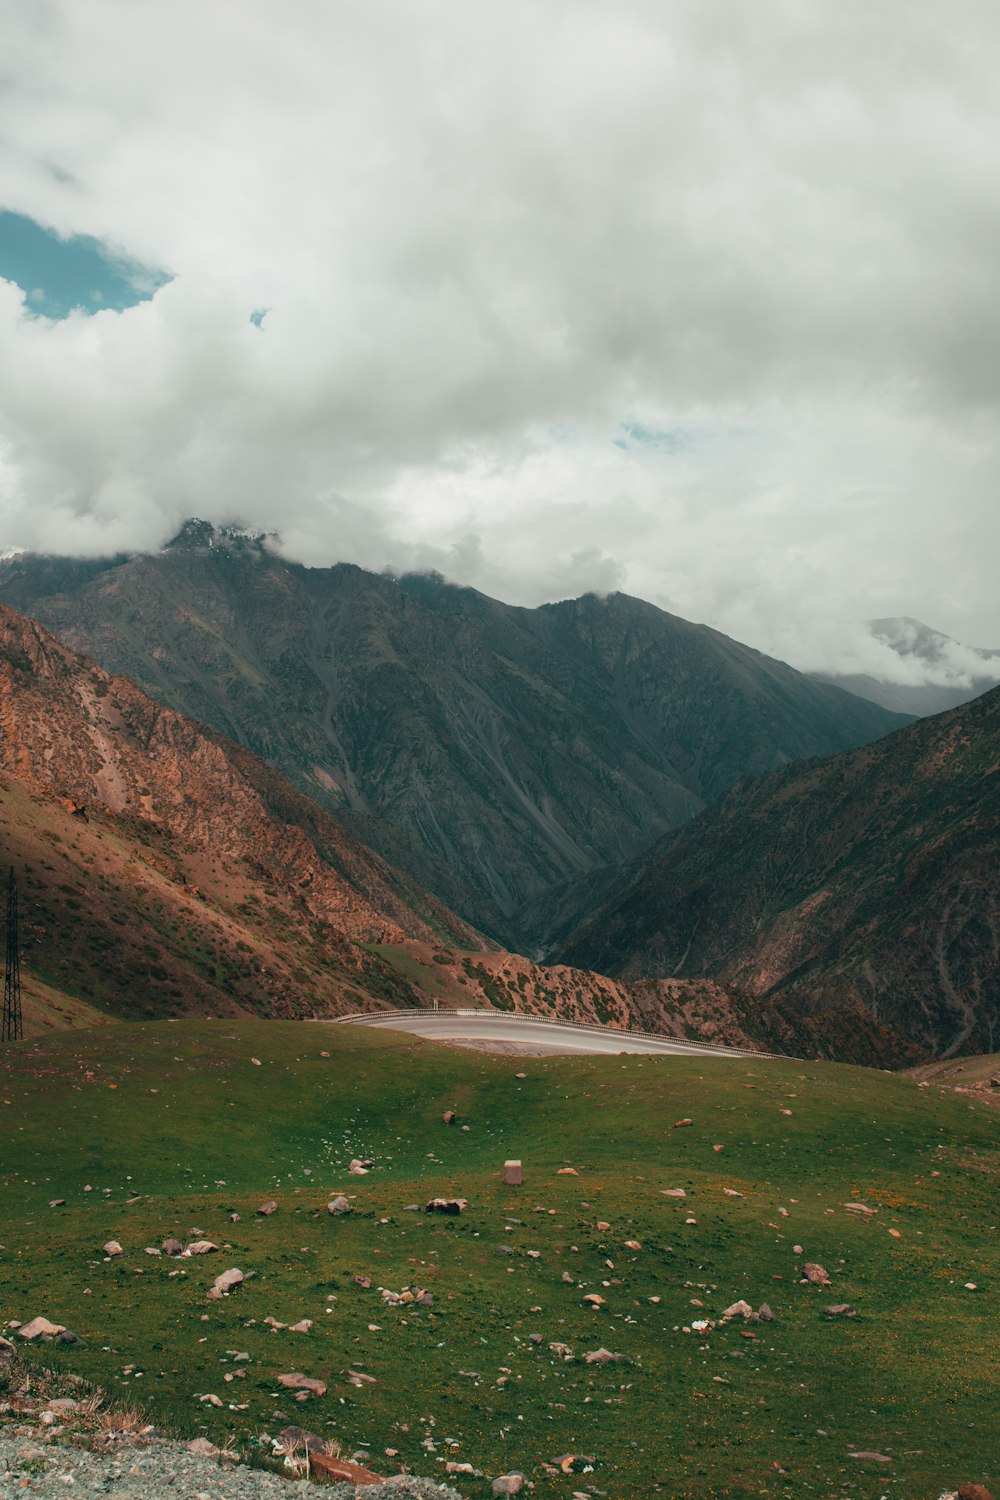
x=176 y=1126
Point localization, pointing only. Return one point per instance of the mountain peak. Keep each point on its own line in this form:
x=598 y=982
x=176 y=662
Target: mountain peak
x=197 y=535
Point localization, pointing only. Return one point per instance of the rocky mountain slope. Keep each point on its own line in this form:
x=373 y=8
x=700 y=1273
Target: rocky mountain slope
x=867 y=882
x=492 y=752
x=951 y=673
x=166 y=871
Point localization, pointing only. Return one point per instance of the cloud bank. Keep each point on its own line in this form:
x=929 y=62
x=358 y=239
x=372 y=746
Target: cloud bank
x=694 y=301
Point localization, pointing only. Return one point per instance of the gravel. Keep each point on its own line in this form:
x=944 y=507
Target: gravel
x=166 y=1468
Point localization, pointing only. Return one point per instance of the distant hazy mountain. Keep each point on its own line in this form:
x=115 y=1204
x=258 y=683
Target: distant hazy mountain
x=953 y=673
x=868 y=882
x=490 y=751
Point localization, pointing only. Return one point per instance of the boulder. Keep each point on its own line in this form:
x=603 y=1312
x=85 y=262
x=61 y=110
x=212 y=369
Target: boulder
x=446 y=1206
x=739 y=1309
x=839 y=1310
x=293 y=1438
x=341 y=1468
x=203 y=1448
x=172 y=1247
x=449 y=1117
x=265 y=1210
x=673 y=1192
x=302 y=1326
x=815 y=1274
x=112 y=1248
x=508 y=1484
x=296 y=1381
x=602 y=1356
x=225 y=1283
x=338 y=1205
x=201 y=1247
x=39 y=1328
x=973 y=1492
x=765 y=1313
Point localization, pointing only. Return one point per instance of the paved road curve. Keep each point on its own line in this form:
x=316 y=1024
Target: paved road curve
x=526 y=1031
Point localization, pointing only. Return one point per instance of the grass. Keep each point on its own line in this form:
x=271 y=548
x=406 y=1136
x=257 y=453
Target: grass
x=182 y=1129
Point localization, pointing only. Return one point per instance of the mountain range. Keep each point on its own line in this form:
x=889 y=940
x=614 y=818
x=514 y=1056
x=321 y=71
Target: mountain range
x=866 y=881
x=496 y=754
x=948 y=672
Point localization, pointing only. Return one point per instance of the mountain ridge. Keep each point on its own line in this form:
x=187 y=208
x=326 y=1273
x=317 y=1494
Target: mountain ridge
x=493 y=752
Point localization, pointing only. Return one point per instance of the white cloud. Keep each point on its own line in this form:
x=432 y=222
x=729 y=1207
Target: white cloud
x=488 y=237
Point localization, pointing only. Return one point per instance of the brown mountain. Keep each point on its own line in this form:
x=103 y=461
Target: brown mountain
x=864 y=884
x=492 y=752
x=164 y=870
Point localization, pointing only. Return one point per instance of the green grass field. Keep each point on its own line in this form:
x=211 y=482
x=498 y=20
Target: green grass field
x=177 y=1118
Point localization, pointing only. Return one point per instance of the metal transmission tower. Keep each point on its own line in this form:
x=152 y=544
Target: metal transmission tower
x=13 y=1026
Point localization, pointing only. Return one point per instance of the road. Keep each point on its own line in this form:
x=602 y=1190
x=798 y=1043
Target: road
x=513 y=1032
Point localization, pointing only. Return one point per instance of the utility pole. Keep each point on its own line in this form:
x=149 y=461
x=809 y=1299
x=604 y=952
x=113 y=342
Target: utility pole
x=13 y=1025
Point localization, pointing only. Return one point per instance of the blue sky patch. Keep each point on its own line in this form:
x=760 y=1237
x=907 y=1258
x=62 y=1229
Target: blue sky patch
x=58 y=275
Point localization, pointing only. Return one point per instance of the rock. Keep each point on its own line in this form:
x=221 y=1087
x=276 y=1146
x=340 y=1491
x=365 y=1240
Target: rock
x=632 y=1245
x=732 y=1193
x=203 y=1448
x=112 y=1248
x=201 y=1247
x=364 y=1282
x=449 y=1117
x=153 y=1250
x=875 y=1458
x=338 y=1205
x=512 y=1174
x=62 y=1404
x=359 y=1168
x=839 y=1310
x=765 y=1313
x=302 y=1326
x=673 y=1192
x=446 y=1206
x=564 y=1351
x=603 y=1224
x=68 y=1339
x=341 y=1468
x=273 y=1323
x=739 y=1309
x=861 y=1209
x=595 y=1299
x=6 y=1351
x=57 y=1202
x=534 y=1338
x=815 y=1274
x=973 y=1492
x=508 y=1484
x=425 y=1299
x=679 y=1123
x=411 y=1208
x=602 y=1356
x=451 y=1467
x=295 y=1381
x=39 y=1328
x=225 y=1283
x=568 y=1279
x=567 y=1172
x=267 y=1209
x=172 y=1247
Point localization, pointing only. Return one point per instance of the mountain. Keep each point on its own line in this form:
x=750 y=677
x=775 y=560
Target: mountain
x=949 y=673
x=492 y=752
x=867 y=883
x=166 y=871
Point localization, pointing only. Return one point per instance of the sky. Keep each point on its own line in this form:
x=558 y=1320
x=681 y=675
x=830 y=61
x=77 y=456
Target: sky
x=691 y=298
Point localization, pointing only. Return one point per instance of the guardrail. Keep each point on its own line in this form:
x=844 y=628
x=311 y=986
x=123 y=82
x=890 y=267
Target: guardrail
x=377 y=1017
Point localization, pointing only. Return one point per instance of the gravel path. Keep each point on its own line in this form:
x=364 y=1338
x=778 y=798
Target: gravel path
x=162 y=1468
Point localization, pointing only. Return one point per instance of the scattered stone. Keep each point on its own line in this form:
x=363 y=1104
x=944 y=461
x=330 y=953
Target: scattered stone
x=364 y=1282
x=673 y=1192
x=732 y=1193
x=295 y=1381
x=273 y=1323
x=341 y=1468
x=973 y=1492
x=877 y=1458
x=411 y=1208
x=679 y=1123
x=534 y=1338
x=567 y=1172
x=201 y=1247
x=172 y=1247
x=765 y=1313
x=739 y=1309
x=595 y=1299
x=57 y=1202
x=153 y=1250
x=338 y=1205
x=815 y=1274
x=861 y=1209
x=568 y=1279
x=302 y=1326
x=564 y=1351
x=112 y=1248
x=203 y=1448
x=449 y=1117
x=632 y=1245
x=69 y=1339
x=39 y=1328
x=225 y=1283
x=446 y=1206
x=508 y=1484
x=602 y=1356
x=267 y=1209
x=512 y=1175
x=293 y=1438
x=359 y=1168
x=839 y=1310
x=451 y=1467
